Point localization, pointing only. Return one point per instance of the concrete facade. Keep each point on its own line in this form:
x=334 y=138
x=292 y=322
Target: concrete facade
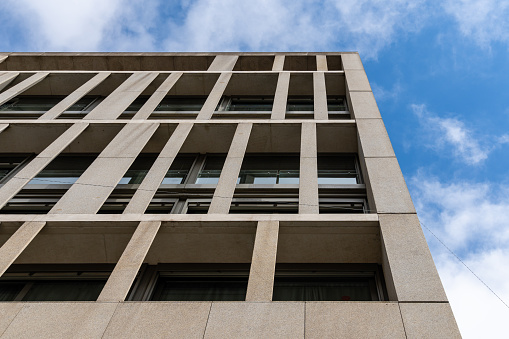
x=110 y=108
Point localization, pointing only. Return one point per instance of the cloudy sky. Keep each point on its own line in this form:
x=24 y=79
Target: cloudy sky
x=439 y=71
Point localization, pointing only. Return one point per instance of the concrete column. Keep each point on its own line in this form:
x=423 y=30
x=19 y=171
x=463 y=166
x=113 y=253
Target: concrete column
x=321 y=63
x=351 y=61
x=279 y=63
x=157 y=97
x=27 y=173
x=3 y=127
x=72 y=98
x=281 y=96
x=90 y=191
x=116 y=103
x=6 y=78
x=320 y=96
x=308 y=177
x=17 y=243
x=223 y=63
x=263 y=264
x=3 y=58
x=22 y=86
x=120 y=281
x=155 y=175
x=223 y=194
x=215 y=95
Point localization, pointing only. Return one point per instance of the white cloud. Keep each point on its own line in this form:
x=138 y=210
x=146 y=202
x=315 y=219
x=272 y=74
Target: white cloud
x=484 y=21
x=472 y=220
x=454 y=134
x=383 y=94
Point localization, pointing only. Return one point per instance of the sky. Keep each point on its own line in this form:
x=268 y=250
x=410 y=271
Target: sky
x=438 y=69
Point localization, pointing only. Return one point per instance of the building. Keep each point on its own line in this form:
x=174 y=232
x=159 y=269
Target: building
x=205 y=195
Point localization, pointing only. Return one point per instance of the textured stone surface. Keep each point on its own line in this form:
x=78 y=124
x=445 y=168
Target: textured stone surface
x=353 y=320
x=22 y=86
x=433 y=320
x=356 y=80
x=281 y=96
x=223 y=63
x=7 y=313
x=374 y=139
x=214 y=97
x=351 y=61
x=320 y=96
x=364 y=105
x=256 y=320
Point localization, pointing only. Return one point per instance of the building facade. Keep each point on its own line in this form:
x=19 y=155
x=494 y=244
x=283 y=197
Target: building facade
x=205 y=195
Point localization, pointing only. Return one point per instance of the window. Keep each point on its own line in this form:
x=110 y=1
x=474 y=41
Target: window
x=264 y=206
x=211 y=171
x=269 y=170
x=247 y=103
x=8 y=165
x=300 y=103
x=35 y=106
x=337 y=169
x=64 y=169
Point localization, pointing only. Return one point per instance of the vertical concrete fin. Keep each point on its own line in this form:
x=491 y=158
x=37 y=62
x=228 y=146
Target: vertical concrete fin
x=281 y=96
x=27 y=173
x=22 y=86
x=72 y=98
x=3 y=57
x=320 y=96
x=13 y=247
x=308 y=181
x=90 y=191
x=263 y=263
x=157 y=97
x=3 y=127
x=144 y=194
x=223 y=194
x=321 y=63
x=214 y=97
x=120 y=281
x=279 y=62
x=116 y=103
x=7 y=78
x=223 y=63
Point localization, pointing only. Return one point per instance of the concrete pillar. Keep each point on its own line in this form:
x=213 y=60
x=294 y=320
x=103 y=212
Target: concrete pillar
x=320 y=96
x=72 y=98
x=27 y=173
x=120 y=281
x=3 y=127
x=279 y=63
x=308 y=177
x=3 y=57
x=22 y=86
x=17 y=243
x=90 y=191
x=157 y=96
x=6 y=78
x=263 y=264
x=321 y=63
x=214 y=97
x=223 y=63
x=223 y=194
x=281 y=96
x=144 y=194
x=117 y=102
x=351 y=61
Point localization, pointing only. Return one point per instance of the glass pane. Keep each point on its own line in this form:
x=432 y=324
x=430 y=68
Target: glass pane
x=250 y=104
x=133 y=177
x=21 y=104
x=179 y=170
x=63 y=170
x=288 y=177
x=212 y=170
x=85 y=290
x=7 y=164
x=257 y=177
x=9 y=290
x=336 y=104
x=326 y=289
x=336 y=178
x=181 y=104
x=342 y=207
x=300 y=104
x=337 y=169
x=201 y=289
x=136 y=104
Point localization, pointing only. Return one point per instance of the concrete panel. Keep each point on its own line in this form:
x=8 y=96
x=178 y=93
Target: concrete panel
x=364 y=105
x=320 y=96
x=351 y=61
x=61 y=320
x=373 y=138
x=17 y=243
x=223 y=63
x=120 y=281
x=214 y=97
x=256 y=320
x=159 y=320
x=353 y=320
x=72 y=98
x=411 y=266
x=122 y=97
x=6 y=78
x=3 y=127
x=22 y=86
x=308 y=176
x=280 y=97
x=157 y=97
x=434 y=320
x=279 y=62
x=388 y=186
x=223 y=193
x=321 y=63
x=144 y=194
x=263 y=264
x=356 y=80
x=8 y=312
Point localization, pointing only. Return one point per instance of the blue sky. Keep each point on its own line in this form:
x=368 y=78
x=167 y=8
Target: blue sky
x=439 y=71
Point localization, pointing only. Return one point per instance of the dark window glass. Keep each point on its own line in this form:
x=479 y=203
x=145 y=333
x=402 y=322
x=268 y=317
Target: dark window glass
x=8 y=164
x=201 y=289
x=341 y=206
x=181 y=104
x=269 y=170
x=336 y=103
x=10 y=290
x=302 y=103
x=179 y=170
x=211 y=170
x=337 y=170
x=52 y=290
x=264 y=208
x=250 y=104
x=41 y=103
x=63 y=170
